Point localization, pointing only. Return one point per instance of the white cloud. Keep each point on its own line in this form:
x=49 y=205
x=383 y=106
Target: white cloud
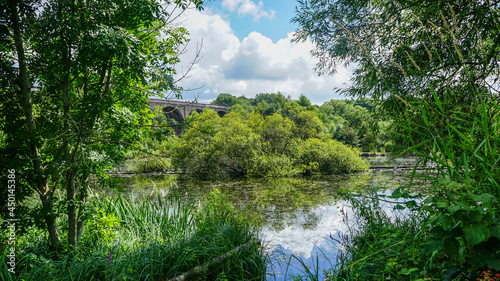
x=248 y=7
x=302 y=240
x=253 y=65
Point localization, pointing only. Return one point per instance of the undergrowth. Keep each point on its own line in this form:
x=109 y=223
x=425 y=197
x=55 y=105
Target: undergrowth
x=148 y=239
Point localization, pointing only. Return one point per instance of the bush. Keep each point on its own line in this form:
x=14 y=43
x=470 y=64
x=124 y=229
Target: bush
x=152 y=164
x=273 y=165
x=257 y=147
x=328 y=157
x=382 y=243
x=100 y=228
x=227 y=149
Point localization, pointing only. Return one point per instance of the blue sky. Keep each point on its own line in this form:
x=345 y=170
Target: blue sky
x=275 y=23
x=247 y=50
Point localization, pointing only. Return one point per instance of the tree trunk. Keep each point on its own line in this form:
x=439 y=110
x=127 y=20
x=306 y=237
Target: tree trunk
x=50 y=221
x=25 y=87
x=72 y=208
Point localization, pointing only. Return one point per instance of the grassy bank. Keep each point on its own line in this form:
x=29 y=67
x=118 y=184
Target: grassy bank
x=452 y=232
x=147 y=239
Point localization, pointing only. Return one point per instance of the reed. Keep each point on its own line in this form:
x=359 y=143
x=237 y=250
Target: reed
x=151 y=238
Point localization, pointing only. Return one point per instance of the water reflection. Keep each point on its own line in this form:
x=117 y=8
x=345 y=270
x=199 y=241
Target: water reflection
x=294 y=215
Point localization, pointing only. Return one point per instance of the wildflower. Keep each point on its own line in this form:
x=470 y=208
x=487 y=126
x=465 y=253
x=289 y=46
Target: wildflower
x=109 y=258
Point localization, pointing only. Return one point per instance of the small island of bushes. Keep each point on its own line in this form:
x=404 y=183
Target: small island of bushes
x=257 y=146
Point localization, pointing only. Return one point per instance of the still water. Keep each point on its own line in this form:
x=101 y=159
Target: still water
x=294 y=215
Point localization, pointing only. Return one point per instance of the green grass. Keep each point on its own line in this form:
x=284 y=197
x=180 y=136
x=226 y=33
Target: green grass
x=147 y=239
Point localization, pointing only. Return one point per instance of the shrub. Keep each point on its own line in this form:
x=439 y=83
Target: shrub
x=259 y=147
x=328 y=156
x=273 y=165
x=153 y=164
x=100 y=228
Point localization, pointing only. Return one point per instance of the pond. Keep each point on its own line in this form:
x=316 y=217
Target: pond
x=294 y=215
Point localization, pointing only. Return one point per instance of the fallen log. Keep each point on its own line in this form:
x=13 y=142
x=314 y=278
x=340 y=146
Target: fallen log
x=197 y=271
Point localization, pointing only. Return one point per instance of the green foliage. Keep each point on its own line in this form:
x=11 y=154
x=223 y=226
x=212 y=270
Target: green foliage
x=254 y=146
x=100 y=228
x=328 y=156
x=465 y=226
x=432 y=78
x=273 y=165
x=225 y=99
x=351 y=123
x=383 y=242
x=348 y=121
x=152 y=164
x=153 y=238
x=348 y=135
x=95 y=65
x=308 y=125
x=224 y=150
x=277 y=133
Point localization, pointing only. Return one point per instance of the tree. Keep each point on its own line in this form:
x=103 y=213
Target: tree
x=277 y=133
x=225 y=99
x=394 y=40
x=228 y=148
x=408 y=51
x=95 y=65
x=308 y=124
x=433 y=67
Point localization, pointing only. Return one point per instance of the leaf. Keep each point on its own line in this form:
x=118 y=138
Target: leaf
x=438 y=102
x=396 y=193
x=454 y=208
x=411 y=204
x=485 y=259
x=476 y=233
x=442 y=203
x=495 y=231
x=475 y=216
x=457 y=231
x=444 y=220
x=485 y=198
x=433 y=245
x=493 y=263
x=406 y=271
x=438 y=232
x=399 y=207
x=451 y=245
x=451 y=273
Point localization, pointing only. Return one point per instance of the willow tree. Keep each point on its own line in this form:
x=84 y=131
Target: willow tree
x=78 y=75
x=442 y=55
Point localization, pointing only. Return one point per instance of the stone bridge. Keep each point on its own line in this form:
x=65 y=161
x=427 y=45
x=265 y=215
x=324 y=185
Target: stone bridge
x=179 y=110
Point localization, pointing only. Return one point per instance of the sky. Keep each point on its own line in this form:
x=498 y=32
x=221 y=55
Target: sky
x=246 y=49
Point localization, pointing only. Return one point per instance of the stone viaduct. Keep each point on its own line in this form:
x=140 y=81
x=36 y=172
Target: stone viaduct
x=179 y=110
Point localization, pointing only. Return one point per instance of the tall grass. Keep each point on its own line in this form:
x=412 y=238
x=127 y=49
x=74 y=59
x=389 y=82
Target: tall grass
x=152 y=238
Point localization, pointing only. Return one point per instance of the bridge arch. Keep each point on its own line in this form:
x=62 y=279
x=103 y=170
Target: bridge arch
x=178 y=110
x=172 y=113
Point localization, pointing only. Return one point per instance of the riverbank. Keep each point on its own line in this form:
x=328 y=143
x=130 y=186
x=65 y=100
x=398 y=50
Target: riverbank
x=155 y=238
